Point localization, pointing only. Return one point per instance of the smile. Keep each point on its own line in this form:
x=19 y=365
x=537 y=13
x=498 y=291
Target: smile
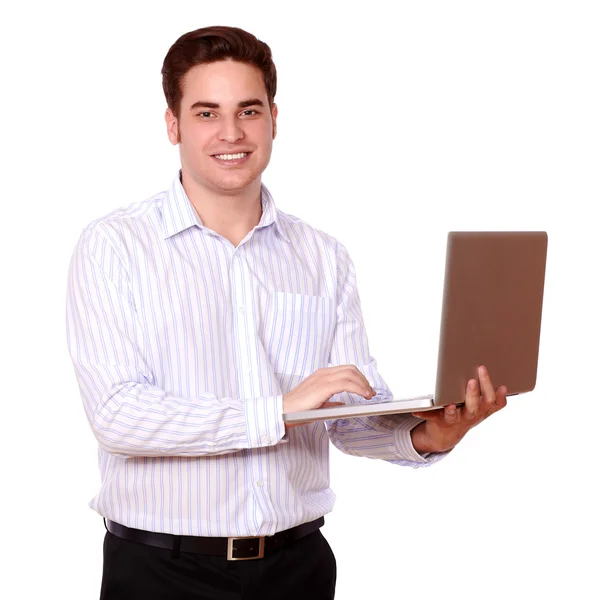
x=232 y=160
x=237 y=156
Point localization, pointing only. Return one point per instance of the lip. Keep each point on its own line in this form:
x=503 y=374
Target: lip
x=234 y=162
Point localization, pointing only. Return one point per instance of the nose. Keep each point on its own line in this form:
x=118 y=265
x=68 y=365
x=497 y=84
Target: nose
x=230 y=131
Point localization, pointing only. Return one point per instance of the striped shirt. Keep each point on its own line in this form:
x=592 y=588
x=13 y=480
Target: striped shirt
x=183 y=346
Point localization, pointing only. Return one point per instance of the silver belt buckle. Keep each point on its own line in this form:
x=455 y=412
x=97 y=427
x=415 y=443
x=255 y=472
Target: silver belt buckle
x=261 y=547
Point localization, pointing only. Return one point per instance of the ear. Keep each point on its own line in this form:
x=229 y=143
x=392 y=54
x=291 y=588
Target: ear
x=274 y=117
x=172 y=126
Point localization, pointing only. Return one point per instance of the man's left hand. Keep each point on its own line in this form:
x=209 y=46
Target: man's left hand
x=443 y=429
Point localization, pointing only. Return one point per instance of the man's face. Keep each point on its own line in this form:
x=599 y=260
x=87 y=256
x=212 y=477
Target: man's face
x=224 y=112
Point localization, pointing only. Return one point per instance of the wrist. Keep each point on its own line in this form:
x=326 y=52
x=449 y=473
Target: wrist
x=421 y=441
x=288 y=404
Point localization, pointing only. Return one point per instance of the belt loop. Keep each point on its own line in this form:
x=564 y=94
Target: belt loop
x=104 y=519
x=176 y=547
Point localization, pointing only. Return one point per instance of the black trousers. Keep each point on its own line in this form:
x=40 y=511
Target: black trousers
x=305 y=569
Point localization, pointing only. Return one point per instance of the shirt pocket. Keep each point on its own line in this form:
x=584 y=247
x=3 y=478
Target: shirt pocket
x=299 y=332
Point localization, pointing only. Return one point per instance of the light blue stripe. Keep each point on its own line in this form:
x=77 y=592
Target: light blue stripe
x=189 y=440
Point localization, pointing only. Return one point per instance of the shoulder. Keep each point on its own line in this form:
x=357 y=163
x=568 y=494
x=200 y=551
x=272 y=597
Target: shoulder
x=302 y=233
x=317 y=242
x=324 y=252
x=112 y=239
x=127 y=214
x=115 y=227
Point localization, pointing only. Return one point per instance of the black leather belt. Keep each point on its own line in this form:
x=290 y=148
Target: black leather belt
x=234 y=548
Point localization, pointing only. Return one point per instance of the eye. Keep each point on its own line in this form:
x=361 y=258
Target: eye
x=250 y=112
x=205 y=114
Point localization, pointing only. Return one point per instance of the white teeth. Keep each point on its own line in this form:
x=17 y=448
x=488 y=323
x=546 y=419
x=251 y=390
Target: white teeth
x=231 y=156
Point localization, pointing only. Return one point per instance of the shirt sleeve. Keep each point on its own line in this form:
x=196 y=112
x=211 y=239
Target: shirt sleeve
x=129 y=415
x=386 y=437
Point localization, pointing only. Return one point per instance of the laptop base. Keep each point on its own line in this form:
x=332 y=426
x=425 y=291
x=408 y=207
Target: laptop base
x=395 y=406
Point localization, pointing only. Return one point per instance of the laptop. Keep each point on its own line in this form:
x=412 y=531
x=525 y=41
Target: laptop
x=491 y=315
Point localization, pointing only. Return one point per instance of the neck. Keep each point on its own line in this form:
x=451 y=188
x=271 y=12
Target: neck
x=231 y=215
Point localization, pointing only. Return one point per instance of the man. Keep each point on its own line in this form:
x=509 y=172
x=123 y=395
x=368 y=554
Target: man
x=196 y=319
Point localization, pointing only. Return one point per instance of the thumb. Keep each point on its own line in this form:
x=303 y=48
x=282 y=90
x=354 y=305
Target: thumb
x=426 y=416
x=435 y=416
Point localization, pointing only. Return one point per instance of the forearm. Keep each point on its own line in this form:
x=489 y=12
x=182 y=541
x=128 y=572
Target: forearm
x=379 y=437
x=385 y=437
x=134 y=418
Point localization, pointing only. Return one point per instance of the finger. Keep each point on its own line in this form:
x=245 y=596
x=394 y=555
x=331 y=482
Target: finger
x=338 y=368
x=487 y=389
x=345 y=371
x=450 y=414
x=363 y=380
x=471 y=407
x=355 y=372
x=292 y=425
x=430 y=415
x=353 y=382
x=501 y=400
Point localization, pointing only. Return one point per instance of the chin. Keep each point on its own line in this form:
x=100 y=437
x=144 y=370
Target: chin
x=235 y=184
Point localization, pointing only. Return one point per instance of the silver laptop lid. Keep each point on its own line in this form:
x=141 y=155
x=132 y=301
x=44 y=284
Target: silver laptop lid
x=491 y=312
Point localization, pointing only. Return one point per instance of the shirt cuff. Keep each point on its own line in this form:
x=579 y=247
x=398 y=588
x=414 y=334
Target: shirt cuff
x=405 y=448
x=264 y=421
x=404 y=445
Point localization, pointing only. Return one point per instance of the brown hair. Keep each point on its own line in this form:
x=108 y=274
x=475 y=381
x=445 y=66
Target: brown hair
x=211 y=44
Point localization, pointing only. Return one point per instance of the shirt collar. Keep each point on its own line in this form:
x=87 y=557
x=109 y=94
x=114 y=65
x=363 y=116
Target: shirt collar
x=179 y=213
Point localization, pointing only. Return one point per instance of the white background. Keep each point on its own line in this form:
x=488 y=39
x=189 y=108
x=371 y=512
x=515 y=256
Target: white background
x=398 y=122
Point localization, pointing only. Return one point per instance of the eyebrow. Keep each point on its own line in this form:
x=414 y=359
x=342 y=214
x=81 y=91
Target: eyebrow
x=242 y=104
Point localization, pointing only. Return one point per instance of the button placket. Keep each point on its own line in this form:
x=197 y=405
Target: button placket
x=242 y=322
x=245 y=325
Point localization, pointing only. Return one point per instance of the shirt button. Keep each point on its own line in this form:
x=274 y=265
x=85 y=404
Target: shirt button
x=249 y=369
x=242 y=309
x=260 y=483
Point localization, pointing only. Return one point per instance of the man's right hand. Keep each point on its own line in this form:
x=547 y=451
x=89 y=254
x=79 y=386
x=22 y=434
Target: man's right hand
x=318 y=388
